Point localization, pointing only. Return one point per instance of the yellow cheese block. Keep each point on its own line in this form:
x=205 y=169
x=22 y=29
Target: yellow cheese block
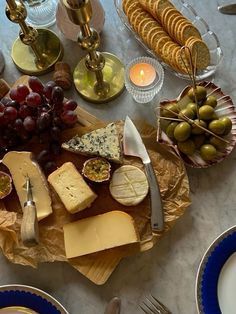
x=70 y=186
x=129 y=185
x=20 y=165
x=99 y=233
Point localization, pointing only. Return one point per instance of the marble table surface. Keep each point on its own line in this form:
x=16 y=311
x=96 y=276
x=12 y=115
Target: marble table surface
x=168 y=271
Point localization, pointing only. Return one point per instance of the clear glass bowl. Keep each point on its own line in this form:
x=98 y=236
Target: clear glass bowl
x=208 y=37
x=144 y=94
x=41 y=13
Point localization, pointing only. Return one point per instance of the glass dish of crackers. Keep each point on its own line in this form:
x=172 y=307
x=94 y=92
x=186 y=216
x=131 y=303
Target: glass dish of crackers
x=163 y=27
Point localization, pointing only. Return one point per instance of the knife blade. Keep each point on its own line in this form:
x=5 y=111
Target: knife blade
x=133 y=146
x=113 y=307
x=228 y=8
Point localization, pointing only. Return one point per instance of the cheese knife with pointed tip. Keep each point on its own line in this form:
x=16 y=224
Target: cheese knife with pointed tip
x=133 y=146
x=228 y=8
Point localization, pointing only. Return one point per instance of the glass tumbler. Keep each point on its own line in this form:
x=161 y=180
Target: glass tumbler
x=41 y=13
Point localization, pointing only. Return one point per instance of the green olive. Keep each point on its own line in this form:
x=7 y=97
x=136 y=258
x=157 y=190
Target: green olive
x=164 y=124
x=211 y=101
x=200 y=92
x=186 y=112
x=199 y=140
x=208 y=152
x=196 y=129
x=192 y=106
x=227 y=123
x=219 y=145
x=182 y=131
x=187 y=147
x=206 y=112
x=215 y=117
x=166 y=111
x=170 y=130
x=217 y=127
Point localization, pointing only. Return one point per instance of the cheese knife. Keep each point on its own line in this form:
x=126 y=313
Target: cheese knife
x=133 y=146
x=228 y=8
x=113 y=307
x=29 y=224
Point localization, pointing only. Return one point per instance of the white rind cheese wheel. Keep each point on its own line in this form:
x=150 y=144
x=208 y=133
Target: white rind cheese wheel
x=129 y=185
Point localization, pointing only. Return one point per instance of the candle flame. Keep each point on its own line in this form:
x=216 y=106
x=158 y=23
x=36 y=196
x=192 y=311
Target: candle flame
x=141 y=73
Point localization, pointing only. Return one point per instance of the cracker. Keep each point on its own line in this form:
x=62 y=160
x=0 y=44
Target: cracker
x=200 y=51
x=188 y=30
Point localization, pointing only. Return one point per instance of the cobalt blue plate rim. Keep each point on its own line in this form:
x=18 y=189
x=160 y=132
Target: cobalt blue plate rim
x=29 y=297
x=209 y=270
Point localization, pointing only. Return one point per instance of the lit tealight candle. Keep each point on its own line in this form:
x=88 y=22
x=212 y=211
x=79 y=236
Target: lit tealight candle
x=142 y=74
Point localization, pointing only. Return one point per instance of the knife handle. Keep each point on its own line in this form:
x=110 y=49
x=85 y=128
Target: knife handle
x=29 y=225
x=157 y=219
x=113 y=306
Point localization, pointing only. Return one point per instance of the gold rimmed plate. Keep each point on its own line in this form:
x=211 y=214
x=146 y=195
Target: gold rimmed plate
x=21 y=299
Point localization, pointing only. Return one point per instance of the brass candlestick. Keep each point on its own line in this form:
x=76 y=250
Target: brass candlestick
x=98 y=77
x=35 y=51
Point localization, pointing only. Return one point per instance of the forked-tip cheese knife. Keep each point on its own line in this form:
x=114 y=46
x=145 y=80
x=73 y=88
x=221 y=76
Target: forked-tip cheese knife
x=133 y=146
x=29 y=224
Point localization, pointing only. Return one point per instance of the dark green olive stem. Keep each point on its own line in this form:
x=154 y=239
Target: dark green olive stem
x=187 y=119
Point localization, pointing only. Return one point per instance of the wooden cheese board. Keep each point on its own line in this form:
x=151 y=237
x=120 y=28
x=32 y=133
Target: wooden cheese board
x=99 y=266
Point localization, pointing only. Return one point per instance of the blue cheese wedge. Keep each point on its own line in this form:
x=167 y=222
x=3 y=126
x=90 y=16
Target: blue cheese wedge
x=103 y=142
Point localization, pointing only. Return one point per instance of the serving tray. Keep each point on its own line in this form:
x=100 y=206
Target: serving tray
x=99 y=266
x=208 y=36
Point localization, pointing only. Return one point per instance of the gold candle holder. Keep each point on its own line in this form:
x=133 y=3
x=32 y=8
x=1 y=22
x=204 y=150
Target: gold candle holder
x=35 y=51
x=98 y=77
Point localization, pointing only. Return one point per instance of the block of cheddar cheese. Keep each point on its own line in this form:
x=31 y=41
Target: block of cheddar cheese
x=99 y=233
x=70 y=186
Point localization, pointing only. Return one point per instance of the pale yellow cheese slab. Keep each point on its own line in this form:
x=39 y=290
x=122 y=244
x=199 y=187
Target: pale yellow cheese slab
x=21 y=165
x=99 y=233
x=70 y=186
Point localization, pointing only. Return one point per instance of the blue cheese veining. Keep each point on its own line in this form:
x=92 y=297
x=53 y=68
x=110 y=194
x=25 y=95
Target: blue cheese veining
x=103 y=142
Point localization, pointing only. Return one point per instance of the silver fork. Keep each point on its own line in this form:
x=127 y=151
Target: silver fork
x=152 y=306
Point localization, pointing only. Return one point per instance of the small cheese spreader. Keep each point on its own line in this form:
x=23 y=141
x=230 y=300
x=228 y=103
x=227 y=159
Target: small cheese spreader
x=29 y=225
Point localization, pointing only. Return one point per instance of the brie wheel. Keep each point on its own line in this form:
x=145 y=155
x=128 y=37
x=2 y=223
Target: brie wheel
x=129 y=185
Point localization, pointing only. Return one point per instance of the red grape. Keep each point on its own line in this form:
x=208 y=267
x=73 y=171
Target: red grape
x=29 y=124
x=47 y=91
x=14 y=94
x=33 y=99
x=69 y=117
x=55 y=133
x=18 y=124
x=24 y=111
x=44 y=156
x=10 y=113
x=50 y=166
x=43 y=121
x=70 y=105
x=35 y=84
x=22 y=92
x=12 y=103
x=57 y=95
x=2 y=107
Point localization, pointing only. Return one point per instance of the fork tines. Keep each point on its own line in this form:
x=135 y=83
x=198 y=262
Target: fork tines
x=153 y=306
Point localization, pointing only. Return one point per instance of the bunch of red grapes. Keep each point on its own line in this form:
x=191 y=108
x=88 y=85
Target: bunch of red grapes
x=38 y=110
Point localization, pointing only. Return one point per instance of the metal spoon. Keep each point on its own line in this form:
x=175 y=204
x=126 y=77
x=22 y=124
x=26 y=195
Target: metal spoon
x=113 y=307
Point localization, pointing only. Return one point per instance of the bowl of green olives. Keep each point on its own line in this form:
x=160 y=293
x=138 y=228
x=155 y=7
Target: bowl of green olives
x=200 y=125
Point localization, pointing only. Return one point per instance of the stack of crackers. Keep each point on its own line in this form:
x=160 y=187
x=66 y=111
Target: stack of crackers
x=165 y=31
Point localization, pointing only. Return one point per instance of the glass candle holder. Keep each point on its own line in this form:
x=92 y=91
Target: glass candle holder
x=41 y=13
x=144 y=78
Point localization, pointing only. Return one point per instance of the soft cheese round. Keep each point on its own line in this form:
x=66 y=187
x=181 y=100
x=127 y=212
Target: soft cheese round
x=129 y=185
